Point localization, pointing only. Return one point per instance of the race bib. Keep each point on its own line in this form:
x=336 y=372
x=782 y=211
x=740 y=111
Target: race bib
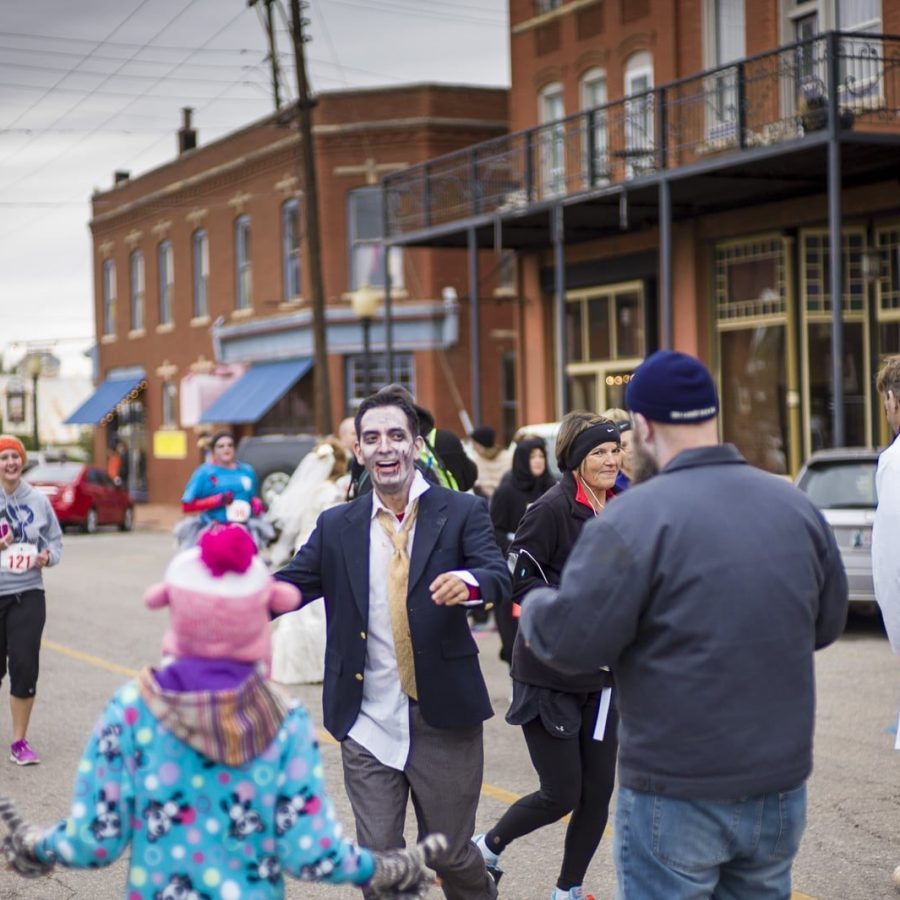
x=238 y=511
x=18 y=558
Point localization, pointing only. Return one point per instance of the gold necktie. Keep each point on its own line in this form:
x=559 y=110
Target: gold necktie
x=398 y=585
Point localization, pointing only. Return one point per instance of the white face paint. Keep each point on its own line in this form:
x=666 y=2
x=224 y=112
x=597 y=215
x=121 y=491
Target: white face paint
x=388 y=450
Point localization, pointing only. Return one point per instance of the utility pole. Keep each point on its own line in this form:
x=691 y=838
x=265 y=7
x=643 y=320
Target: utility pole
x=273 y=56
x=311 y=243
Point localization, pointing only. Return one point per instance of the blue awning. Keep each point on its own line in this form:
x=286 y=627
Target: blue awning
x=104 y=400
x=256 y=392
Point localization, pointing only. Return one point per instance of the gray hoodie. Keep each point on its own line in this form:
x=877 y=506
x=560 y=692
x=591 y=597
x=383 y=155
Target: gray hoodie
x=29 y=514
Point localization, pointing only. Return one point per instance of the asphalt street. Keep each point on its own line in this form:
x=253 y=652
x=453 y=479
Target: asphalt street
x=98 y=634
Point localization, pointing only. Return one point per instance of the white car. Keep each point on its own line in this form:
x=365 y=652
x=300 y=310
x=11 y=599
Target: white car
x=842 y=484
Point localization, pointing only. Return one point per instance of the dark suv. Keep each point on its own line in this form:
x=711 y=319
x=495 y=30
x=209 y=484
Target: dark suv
x=274 y=458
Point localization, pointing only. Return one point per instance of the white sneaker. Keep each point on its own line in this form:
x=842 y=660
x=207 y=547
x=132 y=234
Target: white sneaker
x=491 y=859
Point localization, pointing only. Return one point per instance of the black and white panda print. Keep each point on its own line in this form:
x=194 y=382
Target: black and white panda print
x=162 y=815
x=243 y=820
x=108 y=742
x=107 y=823
x=289 y=809
x=180 y=887
x=267 y=869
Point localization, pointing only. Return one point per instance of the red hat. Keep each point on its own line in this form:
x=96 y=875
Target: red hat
x=8 y=442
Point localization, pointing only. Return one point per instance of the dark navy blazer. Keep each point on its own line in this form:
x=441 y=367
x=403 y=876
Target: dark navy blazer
x=453 y=531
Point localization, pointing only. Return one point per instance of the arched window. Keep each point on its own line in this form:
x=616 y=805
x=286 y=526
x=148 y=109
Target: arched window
x=551 y=109
x=200 y=257
x=136 y=269
x=166 y=274
x=639 y=125
x=290 y=249
x=596 y=150
x=243 y=267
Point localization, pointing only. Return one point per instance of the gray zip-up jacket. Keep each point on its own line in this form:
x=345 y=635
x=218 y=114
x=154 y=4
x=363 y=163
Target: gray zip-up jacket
x=706 y=590
x=31 y=518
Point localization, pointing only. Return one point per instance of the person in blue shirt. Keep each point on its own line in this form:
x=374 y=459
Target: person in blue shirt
x=219 y=491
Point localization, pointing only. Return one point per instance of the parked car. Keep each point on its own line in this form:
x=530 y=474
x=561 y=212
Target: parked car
x=842 y=484
x=274 y=458
x=83 y=495
x=39 y=457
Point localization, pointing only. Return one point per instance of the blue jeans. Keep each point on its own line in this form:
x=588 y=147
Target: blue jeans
x=671 y=849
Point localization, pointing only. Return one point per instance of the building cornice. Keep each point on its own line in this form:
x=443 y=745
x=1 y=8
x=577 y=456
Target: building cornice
x=195 y=182
x=552 y=15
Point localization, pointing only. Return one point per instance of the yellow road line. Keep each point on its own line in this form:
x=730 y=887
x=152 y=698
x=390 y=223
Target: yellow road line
x=487 y=790
x=89 y=659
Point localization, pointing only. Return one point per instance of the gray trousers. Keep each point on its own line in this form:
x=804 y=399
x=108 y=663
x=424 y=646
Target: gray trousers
x=443 y=776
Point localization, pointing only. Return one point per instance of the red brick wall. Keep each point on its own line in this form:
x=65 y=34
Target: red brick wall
x=406 y=125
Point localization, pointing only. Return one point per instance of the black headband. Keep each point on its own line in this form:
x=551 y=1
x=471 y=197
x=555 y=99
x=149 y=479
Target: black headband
x=593 y=436
x=218 y=437
x=624 y=426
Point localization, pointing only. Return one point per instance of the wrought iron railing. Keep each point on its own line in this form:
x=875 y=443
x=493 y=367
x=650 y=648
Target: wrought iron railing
x=762 y=100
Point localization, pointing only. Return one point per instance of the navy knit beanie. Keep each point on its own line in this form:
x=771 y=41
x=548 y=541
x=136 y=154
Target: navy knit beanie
x=672 y=387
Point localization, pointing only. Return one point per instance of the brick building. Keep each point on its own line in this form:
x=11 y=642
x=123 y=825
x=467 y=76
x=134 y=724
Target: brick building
x=700 y=174
x=201 y=296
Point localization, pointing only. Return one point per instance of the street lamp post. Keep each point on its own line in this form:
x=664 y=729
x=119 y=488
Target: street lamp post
x=34 y=369
x=365 y=301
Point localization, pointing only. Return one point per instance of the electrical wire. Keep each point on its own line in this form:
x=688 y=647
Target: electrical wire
x=82 y=100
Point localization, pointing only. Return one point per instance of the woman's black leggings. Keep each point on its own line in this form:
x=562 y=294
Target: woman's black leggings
x=577 y=776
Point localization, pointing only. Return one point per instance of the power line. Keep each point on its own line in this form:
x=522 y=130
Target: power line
x=60 y=80
x=110 y=118
x=128 y=18
x=134 y=77
x=417 y=12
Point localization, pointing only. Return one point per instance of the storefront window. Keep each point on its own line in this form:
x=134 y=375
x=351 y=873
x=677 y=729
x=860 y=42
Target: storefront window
x=754 y=384
x=604 y=343
x=752 y=322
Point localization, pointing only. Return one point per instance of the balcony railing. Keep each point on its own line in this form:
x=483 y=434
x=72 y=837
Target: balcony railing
x=759 y=101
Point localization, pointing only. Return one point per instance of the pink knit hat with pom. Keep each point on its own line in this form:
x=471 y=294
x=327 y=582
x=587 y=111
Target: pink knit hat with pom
x=219 y=596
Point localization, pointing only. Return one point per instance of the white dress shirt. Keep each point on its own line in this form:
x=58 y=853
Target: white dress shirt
x=382 y=726
x=886 y=542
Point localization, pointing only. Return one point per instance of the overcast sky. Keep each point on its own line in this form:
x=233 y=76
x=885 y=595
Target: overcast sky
x=92 y=86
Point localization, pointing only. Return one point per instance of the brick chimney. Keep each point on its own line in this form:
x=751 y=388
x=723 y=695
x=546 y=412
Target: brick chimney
x=187 y=136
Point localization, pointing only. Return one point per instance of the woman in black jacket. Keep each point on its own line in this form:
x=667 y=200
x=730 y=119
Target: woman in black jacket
x=568 y=725
x=527 y=480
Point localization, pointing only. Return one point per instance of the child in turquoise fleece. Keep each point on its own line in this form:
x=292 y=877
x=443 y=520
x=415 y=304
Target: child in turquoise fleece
x=205 y=771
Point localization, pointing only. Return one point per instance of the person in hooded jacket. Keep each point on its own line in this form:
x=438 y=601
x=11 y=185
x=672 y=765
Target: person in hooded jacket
x=30 y=540
x=567 y=721
x=207 y=773
x=527 y=480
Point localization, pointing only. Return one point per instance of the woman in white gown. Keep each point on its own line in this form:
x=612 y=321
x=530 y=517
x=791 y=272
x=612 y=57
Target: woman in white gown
x=298 y=641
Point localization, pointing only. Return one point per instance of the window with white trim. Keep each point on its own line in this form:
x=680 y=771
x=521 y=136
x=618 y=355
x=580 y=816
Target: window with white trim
x=169 y=417
x=365 y=224
x=166 y=275
x=356 y=383
x=136 y=270
x=109 y=296
x=551 y=110
x=243 y=297
x=594 y=97
x=290 y=249
x=639 y=125
x=200 y=257
x=726 y=43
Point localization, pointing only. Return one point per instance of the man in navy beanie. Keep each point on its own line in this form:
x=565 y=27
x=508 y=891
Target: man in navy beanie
x=706 y=590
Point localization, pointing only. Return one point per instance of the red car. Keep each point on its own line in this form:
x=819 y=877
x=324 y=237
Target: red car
x=83 y=495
